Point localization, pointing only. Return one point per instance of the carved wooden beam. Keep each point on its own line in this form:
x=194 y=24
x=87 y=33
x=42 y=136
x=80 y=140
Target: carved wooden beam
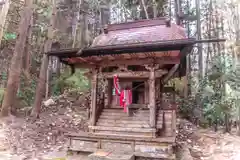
x=160 y=73
x=122 y=68
x=84 y=65
x=133 y=74
x=139 y=74
x=152 y=67
x=111 y=57
x=144 y=61
x=170 y=73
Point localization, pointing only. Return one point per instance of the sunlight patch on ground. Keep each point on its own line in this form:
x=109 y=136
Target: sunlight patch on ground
x=5 y=156
x=62 y=155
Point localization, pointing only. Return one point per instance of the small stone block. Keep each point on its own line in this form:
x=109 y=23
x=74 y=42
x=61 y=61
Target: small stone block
x=110 y=155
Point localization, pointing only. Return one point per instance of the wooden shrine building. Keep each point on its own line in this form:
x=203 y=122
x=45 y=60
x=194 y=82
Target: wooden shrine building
x=143 y=55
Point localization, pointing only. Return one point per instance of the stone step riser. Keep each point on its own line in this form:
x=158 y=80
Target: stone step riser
x=124 y=134
x=129 y=125
x=119 y=118
x=125 y=115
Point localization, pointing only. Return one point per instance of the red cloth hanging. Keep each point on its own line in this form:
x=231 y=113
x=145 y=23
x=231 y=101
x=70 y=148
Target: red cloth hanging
x=116 y=85
x=121 y=99
x=125 y=95
x=125 y=99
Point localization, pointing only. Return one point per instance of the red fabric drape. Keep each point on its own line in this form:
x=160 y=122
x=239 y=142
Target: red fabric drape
x=116 y=85
x=125 y=99
x=125 y=95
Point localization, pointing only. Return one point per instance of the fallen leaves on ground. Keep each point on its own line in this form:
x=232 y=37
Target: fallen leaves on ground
x=29 y=138
x=204 y=144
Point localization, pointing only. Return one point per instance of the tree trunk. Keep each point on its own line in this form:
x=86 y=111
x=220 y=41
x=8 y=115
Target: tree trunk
x=56 y=60
x=227 y=123
x=44 y=66
x=27 y=49
x=238 y=127
x=155 y=12
x=48 y=73
x=75 y=22
x=16 y=62
x=3 y=16
x=145 y=9
x=238 y=117
x=216 y=125
x=50 y=60
x=40 y=91
x=235 y=61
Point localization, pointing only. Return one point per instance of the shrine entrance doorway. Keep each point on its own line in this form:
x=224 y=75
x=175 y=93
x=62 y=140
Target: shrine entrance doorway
x=138 y=92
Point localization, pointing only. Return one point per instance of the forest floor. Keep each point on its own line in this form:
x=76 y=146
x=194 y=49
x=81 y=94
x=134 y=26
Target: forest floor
x=205 y=144
x=23 y=138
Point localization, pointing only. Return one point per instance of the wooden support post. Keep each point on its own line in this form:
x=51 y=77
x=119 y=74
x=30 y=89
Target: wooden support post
x=174 y=119
x=152 y=94
x=146 y=91
x=152 y=99
x=161 y=95
x=94 y=97
x=110 y=86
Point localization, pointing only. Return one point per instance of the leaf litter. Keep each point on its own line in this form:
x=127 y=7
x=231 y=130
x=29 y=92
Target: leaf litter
x=35 y=139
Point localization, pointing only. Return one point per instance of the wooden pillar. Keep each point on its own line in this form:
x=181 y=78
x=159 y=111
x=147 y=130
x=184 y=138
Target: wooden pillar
x=161 y=95
x=152 y=94
x=109 y=95
x=152 y=98
x=146 y=91
x=94 y=83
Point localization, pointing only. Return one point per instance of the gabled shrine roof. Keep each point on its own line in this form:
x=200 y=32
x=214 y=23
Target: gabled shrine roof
x=142 y=39
x=155 y=35
x=141 y=31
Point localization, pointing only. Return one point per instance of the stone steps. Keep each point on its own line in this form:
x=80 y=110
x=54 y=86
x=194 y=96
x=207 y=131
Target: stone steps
x=137 y=114
x=124 y=134
x=116 y=122
x=138 y=125
x=122 y=129
x=117 y=118
x=134 y=124
x=121 y=121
